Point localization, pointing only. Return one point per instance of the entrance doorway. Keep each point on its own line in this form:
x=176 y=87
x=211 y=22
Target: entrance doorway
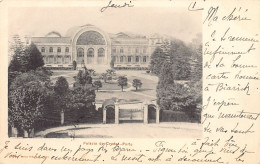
x=110 y=115
x=151 y=114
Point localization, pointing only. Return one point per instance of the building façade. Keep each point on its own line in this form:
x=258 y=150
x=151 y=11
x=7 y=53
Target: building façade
x=94 y=48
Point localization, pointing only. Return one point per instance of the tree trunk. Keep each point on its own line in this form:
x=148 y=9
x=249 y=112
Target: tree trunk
x=25 y=134
x=31 y=133
x=122 y=88
x=136 y=88
x=14 y=131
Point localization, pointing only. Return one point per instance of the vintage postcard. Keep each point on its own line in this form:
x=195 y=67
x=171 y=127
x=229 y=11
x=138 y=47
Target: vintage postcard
x=129 y=81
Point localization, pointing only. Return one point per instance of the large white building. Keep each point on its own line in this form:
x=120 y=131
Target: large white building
x=95 y=48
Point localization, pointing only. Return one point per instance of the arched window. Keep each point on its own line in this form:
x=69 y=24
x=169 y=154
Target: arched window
x=101 y=52
x=59 y=49
x=90 y=52
x=43 y=49
x=80 y=52
x=67 y=49
x=51 y=49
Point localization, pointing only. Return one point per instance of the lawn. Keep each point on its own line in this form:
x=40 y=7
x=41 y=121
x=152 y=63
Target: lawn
x=146 y=92
x=111 y=86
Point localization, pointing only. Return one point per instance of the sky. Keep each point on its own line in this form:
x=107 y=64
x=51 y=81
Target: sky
x=177 y=22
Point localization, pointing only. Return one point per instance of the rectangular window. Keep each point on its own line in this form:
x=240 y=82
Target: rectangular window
x=144 y=59
x=113 y=58
x=129 y=59
x=137 y=50
x=121 y=50
x=144 y=50
x=67 y=49
x=114 y=50
x=121 y=59
x=137 y=59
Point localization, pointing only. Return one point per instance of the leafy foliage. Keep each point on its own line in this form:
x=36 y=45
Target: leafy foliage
x=34 y=56
x=27 y=105
x=180 y=86
x=61 y=87
x=82 y=97
x=83 y=77
x=137 y=83
x=97 y=84
x=24 y=58
x=122 y=81
x=157 y=59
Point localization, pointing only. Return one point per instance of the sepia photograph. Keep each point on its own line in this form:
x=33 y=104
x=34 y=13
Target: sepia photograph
x=78 y=72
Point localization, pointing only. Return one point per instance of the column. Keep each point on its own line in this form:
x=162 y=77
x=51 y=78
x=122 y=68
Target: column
x=105 y=56
x=157 y=114
x=145 y=113
x=62 y=117
x=85 y=55
x=104 y=116
x=95 y=55
x=116 y=112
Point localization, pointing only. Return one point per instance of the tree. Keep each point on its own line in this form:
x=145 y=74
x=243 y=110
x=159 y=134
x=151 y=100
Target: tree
x=82 y=97
x=61 y=86
x=34 y=57
x=196 y=58
x=175 y=97
x=110 y=71
x=180 y=58
x=83 y=77
x=27 y=104
x=166 y=76
x=61 y=89
x=98 y=84
x=122 y=81
x=104 y=77
x=24 y=58
x=157 y=59
x=137 y=83
x=91 y=72
x=18 y=62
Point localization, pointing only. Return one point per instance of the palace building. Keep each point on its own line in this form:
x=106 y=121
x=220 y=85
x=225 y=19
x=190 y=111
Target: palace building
x=94 y=48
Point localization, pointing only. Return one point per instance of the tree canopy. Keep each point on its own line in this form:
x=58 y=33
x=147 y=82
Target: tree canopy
x=122 y=81
x=157 y=59
x=137 y=83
